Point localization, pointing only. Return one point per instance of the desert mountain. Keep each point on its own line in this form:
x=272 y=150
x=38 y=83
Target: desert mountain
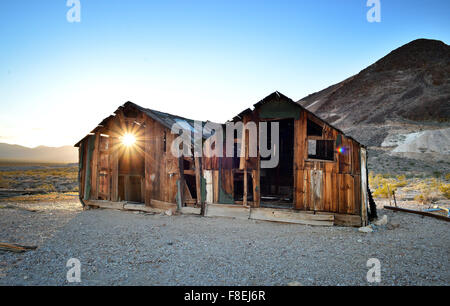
x=65 y=154
x=409 y=85
x=400 y=104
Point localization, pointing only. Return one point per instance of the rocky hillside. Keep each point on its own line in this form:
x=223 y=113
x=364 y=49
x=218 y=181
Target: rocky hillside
x=399 y=106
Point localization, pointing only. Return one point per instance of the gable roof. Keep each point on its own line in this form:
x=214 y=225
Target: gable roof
x=279 y=97
x=166 y=119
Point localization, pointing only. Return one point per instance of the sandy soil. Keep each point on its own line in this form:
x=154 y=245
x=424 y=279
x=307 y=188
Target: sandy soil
x=124 y=248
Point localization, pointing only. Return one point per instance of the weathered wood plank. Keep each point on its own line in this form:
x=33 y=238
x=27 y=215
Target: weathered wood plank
x=198 y=169
x=364 y=195
x=114 y=164
x=88 y=180
x=347 y=220
x=190 y=210
x=209 y=186
x=106 y=204
x=290 y=216
x=163 y=205
x=231 y=211
x=418 y=212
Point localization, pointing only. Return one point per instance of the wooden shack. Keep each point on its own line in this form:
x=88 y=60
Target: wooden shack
x=321 y=177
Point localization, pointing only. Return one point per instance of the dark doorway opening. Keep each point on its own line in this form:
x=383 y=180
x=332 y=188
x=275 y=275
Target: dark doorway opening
x=277 y=184
x=239 y=187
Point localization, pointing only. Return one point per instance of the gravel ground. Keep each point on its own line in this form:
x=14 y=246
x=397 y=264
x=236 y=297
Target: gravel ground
x=125 y=248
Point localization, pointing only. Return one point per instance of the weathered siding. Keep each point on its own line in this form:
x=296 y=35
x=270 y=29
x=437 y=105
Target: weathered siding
x=332 y=186
x=161 y=168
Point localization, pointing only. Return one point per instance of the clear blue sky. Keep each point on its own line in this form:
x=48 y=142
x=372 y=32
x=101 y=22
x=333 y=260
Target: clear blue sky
x=200 y=59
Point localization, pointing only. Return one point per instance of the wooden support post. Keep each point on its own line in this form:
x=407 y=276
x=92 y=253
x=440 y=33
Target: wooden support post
x=255 y=182
x=114 y=151
x=181 y=183
x=198 y=182
x=97 y=164
x=244 y=201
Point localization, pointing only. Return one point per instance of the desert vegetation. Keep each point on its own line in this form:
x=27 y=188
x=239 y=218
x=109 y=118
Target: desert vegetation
x=36 y=182
x=422 y=189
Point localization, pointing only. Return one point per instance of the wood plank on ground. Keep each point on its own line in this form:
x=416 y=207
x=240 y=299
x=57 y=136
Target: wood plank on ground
x=190 y=210
x=418 y=212
x=106 y=204
x=16 y=248
x=224 y=210
x=290 y=216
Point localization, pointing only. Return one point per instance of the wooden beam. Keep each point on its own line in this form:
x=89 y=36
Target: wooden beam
x=418 y=212
x=198 y=182
x=245 y=186
x=180 y=184
x=88 y=165
x=105 y=204
x=163 y=205
x=16 y=248
x=364 y=182
x=230 y=211
x=189 y=172
x=96 y=168
x=190 y=210
x=347 y=220
x=290 y=216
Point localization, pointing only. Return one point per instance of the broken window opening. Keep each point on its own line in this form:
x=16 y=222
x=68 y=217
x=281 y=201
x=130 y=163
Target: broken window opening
x=321 y=149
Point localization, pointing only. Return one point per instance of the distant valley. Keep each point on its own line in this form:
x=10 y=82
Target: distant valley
x=65 y=154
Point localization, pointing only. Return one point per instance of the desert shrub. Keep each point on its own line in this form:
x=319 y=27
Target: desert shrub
x=428 y=190
x=445 y=190
x=4 y=182
x=401 y=181
x=382 y=184
x=47 y=187
x=66 y=172
x=383 y=190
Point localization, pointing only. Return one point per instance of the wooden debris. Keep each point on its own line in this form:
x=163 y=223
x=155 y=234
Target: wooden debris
x=16 y=248
x=418 y=212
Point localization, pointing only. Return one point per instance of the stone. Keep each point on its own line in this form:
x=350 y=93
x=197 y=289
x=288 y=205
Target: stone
x=294 y=283
x=382 y=221
x=365 y=229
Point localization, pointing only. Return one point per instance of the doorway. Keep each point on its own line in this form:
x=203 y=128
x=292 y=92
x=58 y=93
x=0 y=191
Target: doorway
x=277 y=184
x=131 y=175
